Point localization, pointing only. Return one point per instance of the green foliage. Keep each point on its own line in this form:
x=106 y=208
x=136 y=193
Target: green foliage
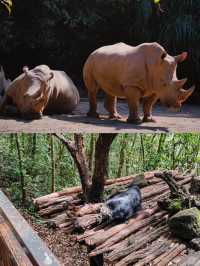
x=63 y=33
x=8 y=4
x=175 y=205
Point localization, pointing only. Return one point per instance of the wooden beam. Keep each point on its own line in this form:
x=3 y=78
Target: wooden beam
x=38 y=252
x=11 y=252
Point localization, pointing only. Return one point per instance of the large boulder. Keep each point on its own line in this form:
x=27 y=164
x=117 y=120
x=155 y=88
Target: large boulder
x=186 y=224
x=195 y=185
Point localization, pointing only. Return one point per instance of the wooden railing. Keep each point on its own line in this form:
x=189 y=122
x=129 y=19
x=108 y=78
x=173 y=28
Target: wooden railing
x=19 y=244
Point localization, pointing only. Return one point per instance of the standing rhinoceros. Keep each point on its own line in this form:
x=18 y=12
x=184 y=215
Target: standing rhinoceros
x=42 y=90
x=143 y=72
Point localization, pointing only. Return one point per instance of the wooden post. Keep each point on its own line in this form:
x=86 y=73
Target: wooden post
x=36 y=249
x=12 y=252
x=96 y=260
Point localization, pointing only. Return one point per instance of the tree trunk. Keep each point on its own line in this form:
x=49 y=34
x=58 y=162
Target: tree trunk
x=34 y=145
x=122 y=155
x=91 y=153
x=52 y=164
x=76 y=149
x=101 y=164
x=94 y=192
x=22 y=181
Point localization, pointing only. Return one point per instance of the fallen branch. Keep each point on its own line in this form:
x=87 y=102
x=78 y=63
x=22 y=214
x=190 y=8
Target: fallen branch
x=54 y=209
x=86 y=221
x=89 y=209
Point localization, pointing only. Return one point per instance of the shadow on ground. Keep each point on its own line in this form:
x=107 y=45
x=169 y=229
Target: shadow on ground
x=188 y=120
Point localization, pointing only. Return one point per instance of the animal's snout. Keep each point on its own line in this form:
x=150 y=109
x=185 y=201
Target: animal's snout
x=30 y=96
x=32 y=115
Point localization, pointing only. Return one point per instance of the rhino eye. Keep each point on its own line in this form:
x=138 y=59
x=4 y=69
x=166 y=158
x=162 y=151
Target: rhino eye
x=163 y=55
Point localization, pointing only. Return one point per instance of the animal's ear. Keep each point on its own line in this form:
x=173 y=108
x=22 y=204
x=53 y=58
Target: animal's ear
x=51 y=76
x=179 y=83
x=184 y=94
x=154 y=57
x=25 y=69
x=181 y=57
x=156 y=54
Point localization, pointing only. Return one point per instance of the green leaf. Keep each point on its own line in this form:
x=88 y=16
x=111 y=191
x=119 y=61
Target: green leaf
x=8 y=4
x=156 y=1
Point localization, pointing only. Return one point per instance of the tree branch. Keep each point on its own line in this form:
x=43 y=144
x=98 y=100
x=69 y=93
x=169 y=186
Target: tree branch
x=76 y=149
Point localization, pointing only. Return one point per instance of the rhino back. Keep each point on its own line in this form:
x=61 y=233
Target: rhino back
x=115 y=65
x=64 y=96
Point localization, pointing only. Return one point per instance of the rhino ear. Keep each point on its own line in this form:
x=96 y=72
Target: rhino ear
x=181 y=57
x=25 y=69
x=51 y=76
x=184 y=94
x=179 y=83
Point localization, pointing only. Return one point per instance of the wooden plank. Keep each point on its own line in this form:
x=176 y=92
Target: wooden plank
x=192 y=259
x=39 y=253
x=12 y=252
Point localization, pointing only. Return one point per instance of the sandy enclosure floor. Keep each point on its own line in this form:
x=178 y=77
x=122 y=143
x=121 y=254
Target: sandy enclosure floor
x=188 y=120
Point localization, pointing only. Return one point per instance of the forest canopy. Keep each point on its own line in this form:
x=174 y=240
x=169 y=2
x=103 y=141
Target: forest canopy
x=63 y=33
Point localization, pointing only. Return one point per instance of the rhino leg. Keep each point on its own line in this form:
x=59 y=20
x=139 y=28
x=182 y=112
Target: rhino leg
x=133 y=96
x=110 y=105
x=31 y=116
x=147 y=108
x=93 y=104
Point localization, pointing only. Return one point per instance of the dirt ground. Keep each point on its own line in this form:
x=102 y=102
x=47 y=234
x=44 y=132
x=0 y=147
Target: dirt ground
x=63 y=246
x=188 y=120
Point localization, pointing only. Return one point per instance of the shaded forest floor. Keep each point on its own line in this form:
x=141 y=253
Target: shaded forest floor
x=61 y=244
x=185 y=121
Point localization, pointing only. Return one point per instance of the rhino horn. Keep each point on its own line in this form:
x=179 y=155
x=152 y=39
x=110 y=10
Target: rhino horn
x=179 y=83
x=181 y=57
x=184 y=94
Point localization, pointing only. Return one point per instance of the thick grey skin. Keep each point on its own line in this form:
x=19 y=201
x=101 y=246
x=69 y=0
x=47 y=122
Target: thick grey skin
x=63 y=95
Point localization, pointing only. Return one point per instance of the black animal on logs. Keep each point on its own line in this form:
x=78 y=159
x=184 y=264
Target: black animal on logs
x=120 y=207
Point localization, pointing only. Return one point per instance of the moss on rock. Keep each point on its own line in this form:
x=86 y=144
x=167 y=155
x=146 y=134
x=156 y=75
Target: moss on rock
x=175 y=205
x=186 y=224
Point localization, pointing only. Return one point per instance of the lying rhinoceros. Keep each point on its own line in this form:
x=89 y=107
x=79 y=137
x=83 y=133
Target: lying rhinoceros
x=143 y=72
x=41 y=90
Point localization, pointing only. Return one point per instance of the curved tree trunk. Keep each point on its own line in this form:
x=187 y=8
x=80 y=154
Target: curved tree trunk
x=76 y=149
x=93 y=192
x=101 y=164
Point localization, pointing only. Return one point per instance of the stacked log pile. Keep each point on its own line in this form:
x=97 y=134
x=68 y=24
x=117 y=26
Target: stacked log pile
x=142 y=240
x=59 y=207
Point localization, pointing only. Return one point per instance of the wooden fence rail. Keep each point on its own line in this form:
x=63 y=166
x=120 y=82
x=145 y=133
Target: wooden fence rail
x=19 y=244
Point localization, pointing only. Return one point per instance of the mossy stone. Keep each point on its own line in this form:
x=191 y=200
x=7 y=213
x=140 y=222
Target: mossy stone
x=175 y=205
x=186 y=224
